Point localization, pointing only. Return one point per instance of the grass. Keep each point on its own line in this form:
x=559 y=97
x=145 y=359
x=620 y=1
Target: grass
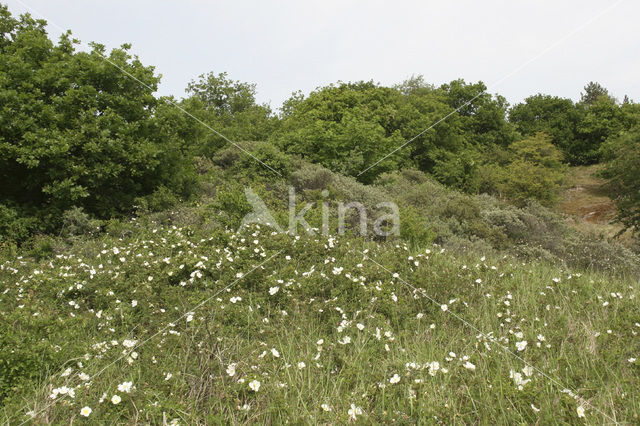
x=291 y=301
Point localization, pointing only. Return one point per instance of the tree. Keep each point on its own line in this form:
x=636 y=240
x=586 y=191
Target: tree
x=345 y=127
x=621 y=157
x=483 y=116
x=592 y=91
x=74 y=129
x=227 y=106
x=603 y=119
x=349 y=126
x=415 y=85
x=221 y=95
x=557 y=117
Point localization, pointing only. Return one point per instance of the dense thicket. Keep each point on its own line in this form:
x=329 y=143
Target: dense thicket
x=348 y=127
x=578 y=129
x=77 y=131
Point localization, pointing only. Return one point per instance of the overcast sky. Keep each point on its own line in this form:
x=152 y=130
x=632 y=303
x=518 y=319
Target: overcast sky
x=284 y=46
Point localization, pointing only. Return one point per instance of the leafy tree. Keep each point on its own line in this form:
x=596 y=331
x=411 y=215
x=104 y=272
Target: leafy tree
x=577 y=129
x=224 y=105
x=536 y=170
x=415 y=85
x=417 y=114
x=621 y=168
x=349 y=126
x=74 y=129
x=483 y=115
x=454 y=148
x=344 y=127
x=603 y=119
x=557 y=117
x=221 y=95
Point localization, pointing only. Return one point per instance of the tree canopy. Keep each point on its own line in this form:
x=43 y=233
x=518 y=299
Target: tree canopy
x=74 y=129
x=622 y=169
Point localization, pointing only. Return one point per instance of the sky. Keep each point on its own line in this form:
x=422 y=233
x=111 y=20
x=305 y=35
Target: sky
x=517 y=48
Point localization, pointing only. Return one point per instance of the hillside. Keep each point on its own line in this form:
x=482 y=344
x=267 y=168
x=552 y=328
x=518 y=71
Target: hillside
x=175 y=318
x=366 y=253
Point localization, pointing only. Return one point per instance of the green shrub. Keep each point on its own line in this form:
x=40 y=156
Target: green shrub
x=230 y=205
x=15 y=225
x=76 y=222
x=311 y=176
x=161 y=199
x=251 y=159
x=414 y=227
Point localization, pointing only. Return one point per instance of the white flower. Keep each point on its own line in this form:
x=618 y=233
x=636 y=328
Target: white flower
x=254 y=385
x=275 y=353
x=231 y=370
x=129 y=343
x=345 y=340
x=469 y=366
x=84 y=377
x=115 y=400
x=632 y=360
x=301 y=365
x=434 y=367
x=273 y=290
x=325 y=407
x=63 y=390
x=320 y=342
x=85 y=411
x=521 y=345
x=354 y=411
x=478 y=281
x=518 y=380
x=395 y=379
x=528 y=371
x=125 y=387
x=134 y=303
x=360 y=326
x=168 y=376
x=444 y=308
x=189 y=318
x=580 y=411
x=420 y=315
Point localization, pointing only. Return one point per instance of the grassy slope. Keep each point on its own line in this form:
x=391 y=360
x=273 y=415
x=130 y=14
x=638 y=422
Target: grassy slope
x=327 y=289
x=70 y=308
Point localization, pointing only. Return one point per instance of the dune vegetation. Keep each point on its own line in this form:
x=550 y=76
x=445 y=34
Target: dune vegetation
x=133 y=289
